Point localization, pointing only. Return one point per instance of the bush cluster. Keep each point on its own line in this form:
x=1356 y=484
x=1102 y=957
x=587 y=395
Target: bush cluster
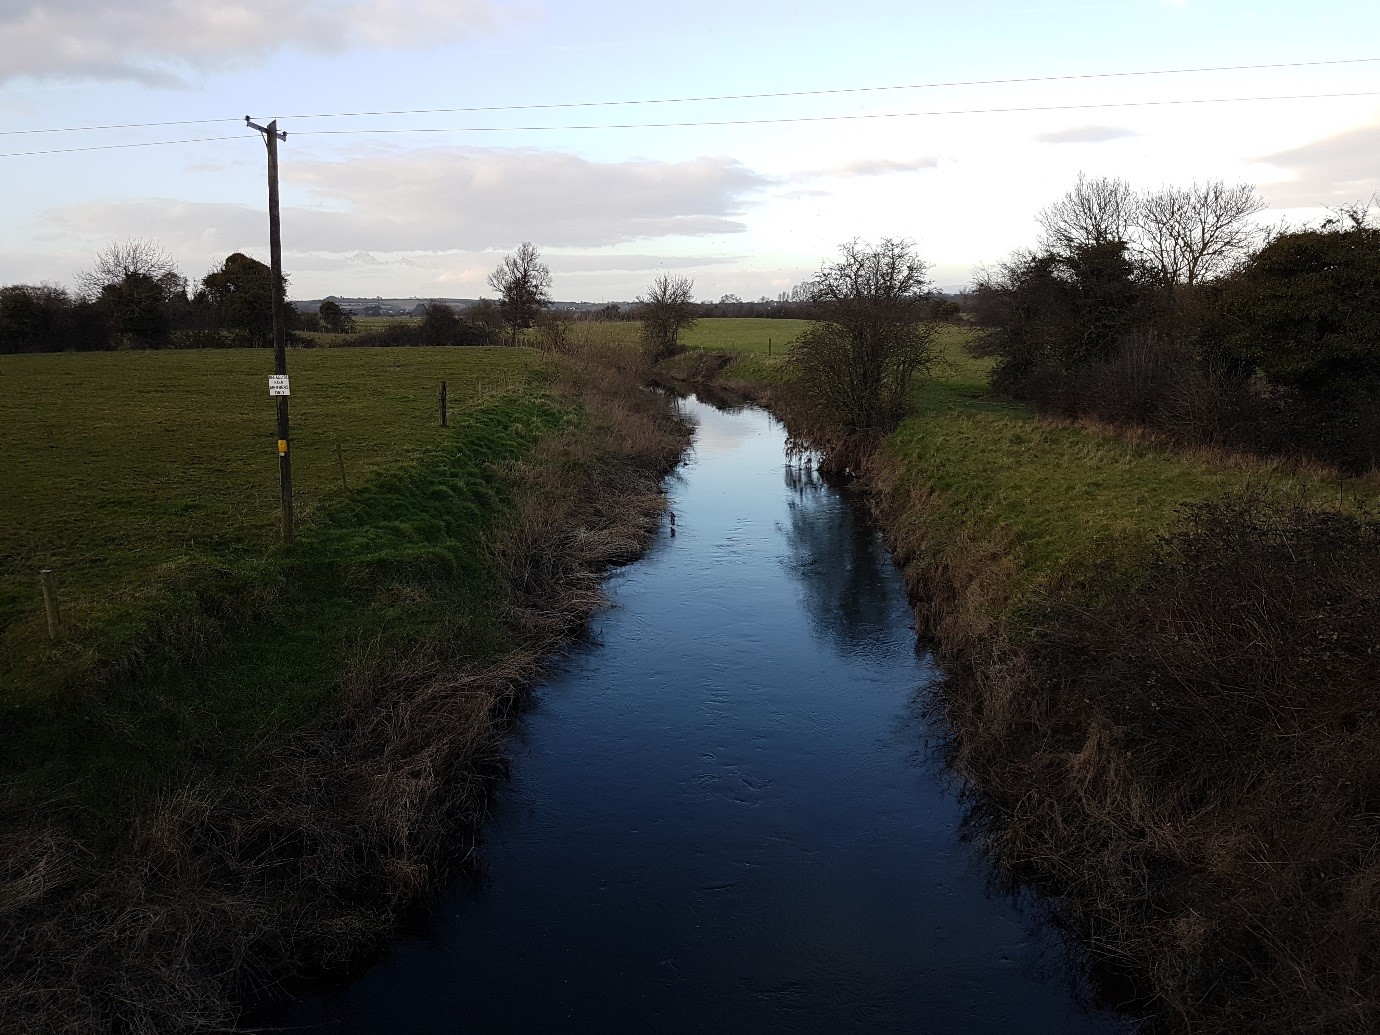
x=1279 y=354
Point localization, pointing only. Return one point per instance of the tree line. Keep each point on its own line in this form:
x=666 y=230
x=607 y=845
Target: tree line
x=133 y=296
x=1175 y=310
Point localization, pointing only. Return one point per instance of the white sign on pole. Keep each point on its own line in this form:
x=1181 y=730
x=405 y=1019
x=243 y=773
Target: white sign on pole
x=278 y=384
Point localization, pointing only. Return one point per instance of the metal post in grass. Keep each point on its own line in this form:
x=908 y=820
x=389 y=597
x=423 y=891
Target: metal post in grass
x=278 y=384
x=443 y=404
x=50 y=602
x=340 y=463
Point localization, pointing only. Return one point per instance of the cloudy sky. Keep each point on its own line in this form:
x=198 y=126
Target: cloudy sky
x=918 y=136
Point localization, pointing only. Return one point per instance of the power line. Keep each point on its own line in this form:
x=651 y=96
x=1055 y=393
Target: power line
x=838 y=91
x=729 y=122
x=832 y=118
x=113 y=125
x=116 y=147
x=829 y=92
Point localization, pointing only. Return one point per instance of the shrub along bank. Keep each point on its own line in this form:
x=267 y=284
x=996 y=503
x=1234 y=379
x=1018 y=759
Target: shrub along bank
x=1162 y=678
x=270 y=803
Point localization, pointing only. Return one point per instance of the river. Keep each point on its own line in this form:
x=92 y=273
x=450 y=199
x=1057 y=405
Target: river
x=726 y=813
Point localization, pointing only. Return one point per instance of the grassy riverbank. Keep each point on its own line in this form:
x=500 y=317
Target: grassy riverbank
x=1070 y=499
x=252 y=764
x=1162 y=679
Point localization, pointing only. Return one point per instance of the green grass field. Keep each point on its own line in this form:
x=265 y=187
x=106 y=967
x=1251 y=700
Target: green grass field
x=744 y=335
x=137 y=475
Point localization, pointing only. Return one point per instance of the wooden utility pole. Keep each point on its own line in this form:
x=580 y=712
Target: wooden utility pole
x=278 y=384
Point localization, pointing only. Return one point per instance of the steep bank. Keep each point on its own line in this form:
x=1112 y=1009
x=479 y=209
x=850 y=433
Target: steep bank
x=1161 y=677
x=298 y=848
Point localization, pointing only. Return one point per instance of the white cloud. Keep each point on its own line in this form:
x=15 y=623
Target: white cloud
x=1336 y=170
x=445 y=209
x=868 y=167
x=620 y=263
x=159 y=41
x=1085 y=135
x=880 y=167
x=447 y=197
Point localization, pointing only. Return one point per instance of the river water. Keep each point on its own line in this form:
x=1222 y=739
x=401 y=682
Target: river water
x=726 y=812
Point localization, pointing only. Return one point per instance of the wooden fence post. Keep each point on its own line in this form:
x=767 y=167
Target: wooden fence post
x=50 y=601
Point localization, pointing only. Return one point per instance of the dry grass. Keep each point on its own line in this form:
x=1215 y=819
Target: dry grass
x=1217 y=455
x=222 y=891
x=1188 y=764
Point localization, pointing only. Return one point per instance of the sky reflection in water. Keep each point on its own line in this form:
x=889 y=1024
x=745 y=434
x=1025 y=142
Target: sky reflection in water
x=716 y=818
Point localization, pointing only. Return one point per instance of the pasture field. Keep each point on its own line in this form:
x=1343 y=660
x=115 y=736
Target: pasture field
x=190 y=637
x=738 y=335
x=363 y=325
x=743 y=335
x=374 y=323
x=138 y=475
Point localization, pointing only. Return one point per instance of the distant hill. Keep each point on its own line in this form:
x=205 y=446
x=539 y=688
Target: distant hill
x=385 y=306
x=409 y=306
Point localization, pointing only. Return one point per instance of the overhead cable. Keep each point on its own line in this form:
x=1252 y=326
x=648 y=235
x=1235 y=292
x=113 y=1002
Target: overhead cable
x=858 y=116
x=835 y=91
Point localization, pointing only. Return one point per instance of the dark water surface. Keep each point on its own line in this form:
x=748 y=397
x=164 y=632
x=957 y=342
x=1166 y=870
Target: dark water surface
x=724 y=814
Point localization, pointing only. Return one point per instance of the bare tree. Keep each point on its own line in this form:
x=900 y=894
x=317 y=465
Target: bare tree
x=1358 y=215
x=856 y=363
x=1191 y=234
x=523 y=283
x=137 y=287
x=1097 y=211
x=665 y=311
x=121 y=260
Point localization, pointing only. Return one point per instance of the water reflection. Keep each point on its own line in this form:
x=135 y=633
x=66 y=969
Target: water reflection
x=839 y=563
x=717 y=432
x=715 y=819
